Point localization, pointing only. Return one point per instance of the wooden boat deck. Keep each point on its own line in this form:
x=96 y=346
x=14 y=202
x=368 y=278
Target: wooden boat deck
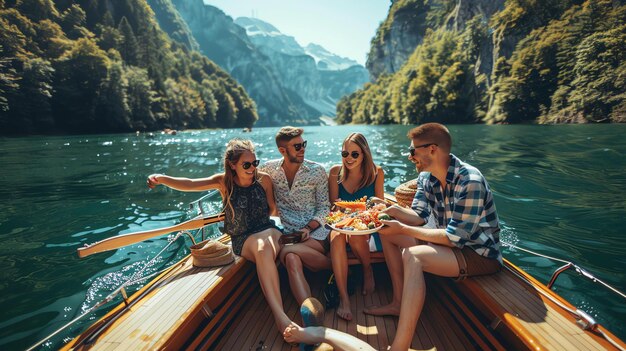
x=224 y=309
x=438 y=329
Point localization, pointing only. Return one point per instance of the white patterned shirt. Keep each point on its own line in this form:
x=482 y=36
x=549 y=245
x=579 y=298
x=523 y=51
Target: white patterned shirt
x=306 y=200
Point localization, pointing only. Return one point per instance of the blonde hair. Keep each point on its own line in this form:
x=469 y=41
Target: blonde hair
x=234 y=149
x=368 y=167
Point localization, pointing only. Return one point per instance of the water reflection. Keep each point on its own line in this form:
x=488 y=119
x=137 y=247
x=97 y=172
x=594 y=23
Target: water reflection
x=558 y=190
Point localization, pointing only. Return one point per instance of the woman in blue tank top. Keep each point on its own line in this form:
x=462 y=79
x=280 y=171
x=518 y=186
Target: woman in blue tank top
x=355 y=177
x=248 y=199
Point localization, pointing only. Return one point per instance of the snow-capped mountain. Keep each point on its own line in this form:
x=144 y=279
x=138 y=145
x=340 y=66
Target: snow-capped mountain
x=289 y=84
x=320 y=77
x=266 y=35
x=326 y=60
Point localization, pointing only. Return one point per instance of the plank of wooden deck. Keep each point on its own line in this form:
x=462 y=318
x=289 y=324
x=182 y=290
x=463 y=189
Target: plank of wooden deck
x=532 y=313
x=159 y=314
x=563 y=326
x=211 y=331
x=154 y=318
x=561 y=332
x=463 y=314
x=129 y=326
x=151 y=321
x=520 y=306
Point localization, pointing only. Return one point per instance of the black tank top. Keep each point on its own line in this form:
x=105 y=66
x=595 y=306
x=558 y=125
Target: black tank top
x=251 y=214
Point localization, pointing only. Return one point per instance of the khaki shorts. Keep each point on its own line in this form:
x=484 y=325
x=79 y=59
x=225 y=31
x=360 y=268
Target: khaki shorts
x=472 y=264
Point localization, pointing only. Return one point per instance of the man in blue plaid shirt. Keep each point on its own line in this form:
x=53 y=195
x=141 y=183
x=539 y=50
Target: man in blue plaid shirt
x=464 y=241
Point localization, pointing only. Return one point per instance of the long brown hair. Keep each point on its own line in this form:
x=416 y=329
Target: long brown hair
x=368 y=168
x=234 y=149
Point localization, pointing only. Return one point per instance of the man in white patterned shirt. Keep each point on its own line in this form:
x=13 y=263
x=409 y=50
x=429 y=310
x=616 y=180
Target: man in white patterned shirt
x=301 y=191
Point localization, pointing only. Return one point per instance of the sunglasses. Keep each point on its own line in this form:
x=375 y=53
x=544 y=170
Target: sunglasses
x=412 y=148
x=354 y=154
x=299 y=146
x=246 y=165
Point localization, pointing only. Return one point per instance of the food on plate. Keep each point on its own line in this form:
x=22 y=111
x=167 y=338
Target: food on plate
x=354 y=217
x=384 y=217
x=356 y=205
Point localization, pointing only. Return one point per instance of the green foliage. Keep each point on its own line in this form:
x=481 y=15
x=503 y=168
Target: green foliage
x=8 y=85
x=566 y=71
x=567 y=65
x=92 y=66
x=431 y=86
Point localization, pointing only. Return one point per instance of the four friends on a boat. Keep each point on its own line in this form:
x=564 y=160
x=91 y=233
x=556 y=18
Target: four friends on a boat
x=463 y=241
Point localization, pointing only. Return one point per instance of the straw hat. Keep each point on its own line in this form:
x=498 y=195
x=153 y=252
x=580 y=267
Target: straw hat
x=405 y=193
x=211 y=253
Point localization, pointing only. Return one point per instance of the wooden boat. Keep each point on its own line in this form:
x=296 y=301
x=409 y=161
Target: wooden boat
x=224 y=309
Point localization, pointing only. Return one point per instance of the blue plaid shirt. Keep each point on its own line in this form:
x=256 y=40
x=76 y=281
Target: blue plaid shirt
x=465 y=209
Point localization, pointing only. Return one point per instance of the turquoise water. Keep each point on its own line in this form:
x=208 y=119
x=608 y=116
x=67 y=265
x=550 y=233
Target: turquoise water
x=558 y=190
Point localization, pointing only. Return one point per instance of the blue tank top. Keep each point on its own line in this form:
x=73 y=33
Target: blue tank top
x=367 y=190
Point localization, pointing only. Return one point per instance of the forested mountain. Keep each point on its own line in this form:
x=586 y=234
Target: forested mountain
x=227 y=44
x=94 y=66
x=495 y=61
x=290 y=84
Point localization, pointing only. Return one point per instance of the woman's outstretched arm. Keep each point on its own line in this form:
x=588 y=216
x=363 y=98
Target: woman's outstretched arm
x=187 y=184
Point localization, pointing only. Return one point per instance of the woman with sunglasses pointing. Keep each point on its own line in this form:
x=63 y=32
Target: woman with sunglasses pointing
x=355 y=177
x=248 y=199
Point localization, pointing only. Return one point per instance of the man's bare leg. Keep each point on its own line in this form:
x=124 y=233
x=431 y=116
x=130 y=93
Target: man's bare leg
x=315 y=335
x=340 y=269
x=392 y=248
x=312 y=254
x=262 y=249
x=436 y=259
x=308 y=254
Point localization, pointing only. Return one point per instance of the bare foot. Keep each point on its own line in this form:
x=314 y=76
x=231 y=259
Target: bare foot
x=296 y=334
x=368 y=281
x=391 y=309
x=281 y=325
x=343 y=310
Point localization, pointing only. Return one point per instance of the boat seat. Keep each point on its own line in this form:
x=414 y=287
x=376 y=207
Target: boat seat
x=514 y=309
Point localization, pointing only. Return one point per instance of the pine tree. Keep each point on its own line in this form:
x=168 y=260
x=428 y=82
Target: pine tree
x=128 y=45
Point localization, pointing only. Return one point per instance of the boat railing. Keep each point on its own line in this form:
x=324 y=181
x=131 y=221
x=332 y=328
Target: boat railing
x=585 y=273
x=198 y=206
x=584 y=320
x=203 y=206
x=135 y=278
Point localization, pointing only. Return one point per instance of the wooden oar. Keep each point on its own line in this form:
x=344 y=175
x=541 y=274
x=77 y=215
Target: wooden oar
x=131 y=238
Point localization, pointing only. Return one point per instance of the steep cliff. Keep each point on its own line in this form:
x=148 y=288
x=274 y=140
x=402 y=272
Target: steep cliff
x=228 y=45
x=170 y=21
x=401 y=32
x=495 y=61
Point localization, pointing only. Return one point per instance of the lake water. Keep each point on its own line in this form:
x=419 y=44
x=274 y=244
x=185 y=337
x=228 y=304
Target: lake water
x=559 y=190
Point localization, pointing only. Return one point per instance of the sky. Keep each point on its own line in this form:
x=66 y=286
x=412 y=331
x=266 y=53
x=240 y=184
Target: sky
x=343 y=27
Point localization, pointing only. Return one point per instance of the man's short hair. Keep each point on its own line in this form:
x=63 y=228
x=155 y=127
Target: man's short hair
x=285 y=134
x=433 y=133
